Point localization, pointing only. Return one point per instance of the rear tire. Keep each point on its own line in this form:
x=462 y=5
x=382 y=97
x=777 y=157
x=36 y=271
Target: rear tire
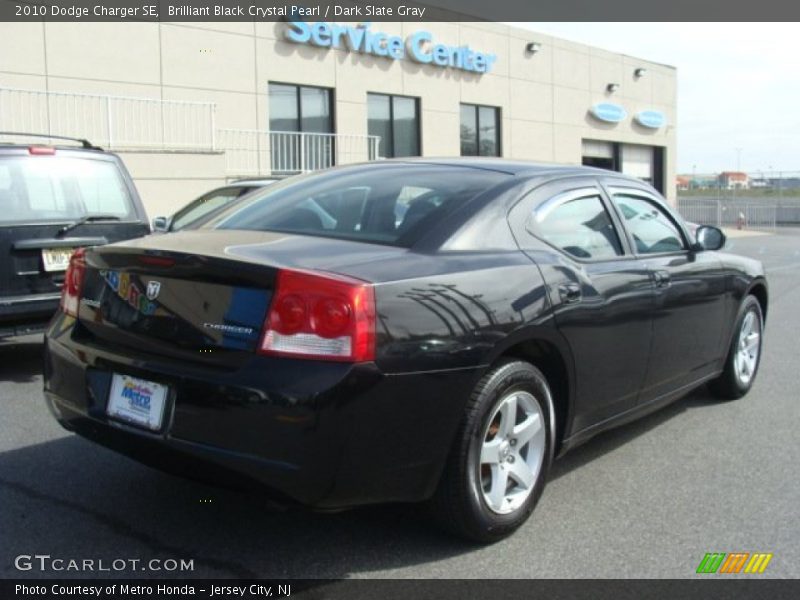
x=744 y=353
x=498 y=465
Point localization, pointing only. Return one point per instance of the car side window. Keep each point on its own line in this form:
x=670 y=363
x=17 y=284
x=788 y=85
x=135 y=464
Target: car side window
x=204 y=205
x=580 y=226
x=652 y=229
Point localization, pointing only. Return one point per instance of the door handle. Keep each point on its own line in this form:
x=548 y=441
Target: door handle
x=662 y=278
x=569 y=292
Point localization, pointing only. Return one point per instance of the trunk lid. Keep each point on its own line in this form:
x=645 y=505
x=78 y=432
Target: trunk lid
x=200 y=295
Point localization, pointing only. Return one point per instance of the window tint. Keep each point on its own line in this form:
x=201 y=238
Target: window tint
x=580 y=227
x=299 y=108
x=396 y=120
x=652 y=229
x=284 y=110
x=387 y=204
x=296 y=110
x=469 y=131
x=315 y=110
x=406 y=126
x=379 y=121
x=480 y=130
x=53 y=188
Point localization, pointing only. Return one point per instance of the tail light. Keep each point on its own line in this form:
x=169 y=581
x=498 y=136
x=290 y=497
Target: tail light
x=73 y=283
x=324 y=317
x=41 y=151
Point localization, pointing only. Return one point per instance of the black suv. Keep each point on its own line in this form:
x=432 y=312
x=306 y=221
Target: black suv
x=54 y=199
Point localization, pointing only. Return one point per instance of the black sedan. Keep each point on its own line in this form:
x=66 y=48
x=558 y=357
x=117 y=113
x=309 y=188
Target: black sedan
x=412 y=330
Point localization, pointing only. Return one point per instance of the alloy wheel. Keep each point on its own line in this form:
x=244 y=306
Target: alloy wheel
x=748 y=347
x=512 y=452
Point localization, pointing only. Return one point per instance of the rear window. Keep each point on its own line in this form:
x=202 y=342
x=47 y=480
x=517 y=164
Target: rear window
x=389 y=204
x=55 y=188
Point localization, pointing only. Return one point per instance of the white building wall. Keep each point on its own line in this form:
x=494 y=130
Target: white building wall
x=544 y=98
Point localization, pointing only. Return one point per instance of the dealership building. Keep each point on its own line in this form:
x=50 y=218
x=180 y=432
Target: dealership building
x=190 y=106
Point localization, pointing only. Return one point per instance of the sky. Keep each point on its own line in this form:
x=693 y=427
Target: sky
x=738 y=86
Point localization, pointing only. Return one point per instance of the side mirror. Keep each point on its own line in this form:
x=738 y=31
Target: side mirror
x=709 y=238
x=161 y=224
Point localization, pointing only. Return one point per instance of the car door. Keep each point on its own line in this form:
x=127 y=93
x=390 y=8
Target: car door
x=600 y=292
x=689 y=288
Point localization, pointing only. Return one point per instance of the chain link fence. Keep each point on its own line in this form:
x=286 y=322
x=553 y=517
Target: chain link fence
x=757 y=199
x=737 y=213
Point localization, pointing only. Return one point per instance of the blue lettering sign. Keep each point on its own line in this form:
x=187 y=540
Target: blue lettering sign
x=298 y=32
x=419 y=46
x=415 y=44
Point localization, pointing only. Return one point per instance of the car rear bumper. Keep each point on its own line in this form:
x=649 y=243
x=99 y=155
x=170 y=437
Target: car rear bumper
x=24 y=315
x=327 y=435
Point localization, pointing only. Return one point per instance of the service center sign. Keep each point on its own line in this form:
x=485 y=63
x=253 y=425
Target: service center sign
x=419 y=46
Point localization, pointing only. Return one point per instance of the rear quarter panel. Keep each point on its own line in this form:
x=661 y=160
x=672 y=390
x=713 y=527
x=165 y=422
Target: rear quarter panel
x=453 y=310
x=742 y=275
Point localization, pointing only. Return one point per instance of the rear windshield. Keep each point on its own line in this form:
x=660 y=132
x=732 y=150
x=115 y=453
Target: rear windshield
x=391 y=204
x=57 y=188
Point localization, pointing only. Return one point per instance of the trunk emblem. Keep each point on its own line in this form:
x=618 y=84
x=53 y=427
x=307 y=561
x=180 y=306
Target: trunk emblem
x=129 y=292
x=153 y=288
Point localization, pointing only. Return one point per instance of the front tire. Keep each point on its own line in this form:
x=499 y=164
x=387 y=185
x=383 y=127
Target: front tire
x=744 y=353
x=498 y=466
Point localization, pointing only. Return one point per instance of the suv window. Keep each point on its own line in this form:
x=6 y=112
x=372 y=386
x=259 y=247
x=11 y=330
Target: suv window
x=652 y=229
x=382 y=204
x=54 y=188
x=579 y=226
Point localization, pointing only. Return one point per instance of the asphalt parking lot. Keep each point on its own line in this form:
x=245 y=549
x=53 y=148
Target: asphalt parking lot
x=647 y=500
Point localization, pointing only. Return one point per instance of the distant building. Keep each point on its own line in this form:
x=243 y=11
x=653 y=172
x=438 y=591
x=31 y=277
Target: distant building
x=696 y=181
x=731 y=180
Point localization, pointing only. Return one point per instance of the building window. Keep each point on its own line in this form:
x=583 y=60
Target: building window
x=480 y=130
x=297 y=117
x=396 y=120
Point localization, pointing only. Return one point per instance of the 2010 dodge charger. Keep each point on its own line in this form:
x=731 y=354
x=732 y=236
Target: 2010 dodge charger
x=402 y=331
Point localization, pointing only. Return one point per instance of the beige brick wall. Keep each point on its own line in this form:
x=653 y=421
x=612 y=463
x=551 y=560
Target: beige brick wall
x=544 y=98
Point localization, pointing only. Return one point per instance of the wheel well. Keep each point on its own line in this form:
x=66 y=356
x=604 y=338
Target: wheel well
x=760 y=292
x=546 y=357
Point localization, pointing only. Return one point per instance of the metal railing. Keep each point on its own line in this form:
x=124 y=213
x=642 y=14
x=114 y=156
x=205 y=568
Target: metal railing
x=732 y=213
x=115 y=122
x=250 y=152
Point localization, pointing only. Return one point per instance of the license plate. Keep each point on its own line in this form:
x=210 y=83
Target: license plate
x=56 y=259
x=137 y=401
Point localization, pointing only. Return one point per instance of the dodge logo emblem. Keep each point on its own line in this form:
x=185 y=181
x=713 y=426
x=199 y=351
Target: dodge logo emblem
x=153 y=287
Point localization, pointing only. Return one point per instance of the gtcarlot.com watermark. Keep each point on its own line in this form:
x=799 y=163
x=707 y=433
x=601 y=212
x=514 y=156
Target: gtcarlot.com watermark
x=45 y=563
